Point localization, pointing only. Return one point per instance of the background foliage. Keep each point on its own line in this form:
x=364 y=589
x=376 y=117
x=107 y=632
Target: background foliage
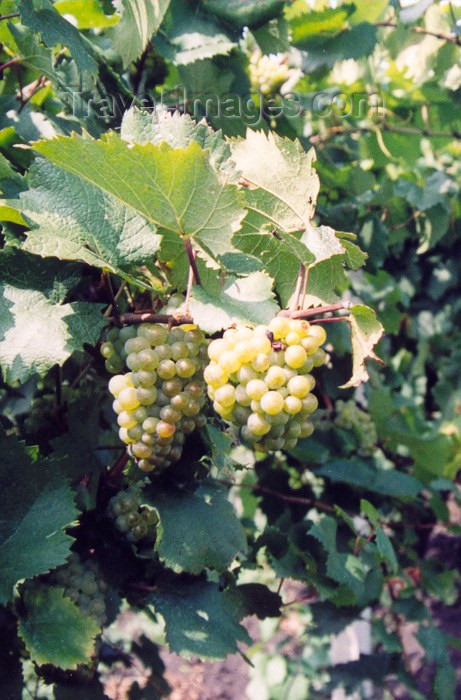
x=349 y=512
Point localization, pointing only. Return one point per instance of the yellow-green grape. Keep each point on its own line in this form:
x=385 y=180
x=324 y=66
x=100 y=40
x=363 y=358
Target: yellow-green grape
x=260 y=380
x=162 y=398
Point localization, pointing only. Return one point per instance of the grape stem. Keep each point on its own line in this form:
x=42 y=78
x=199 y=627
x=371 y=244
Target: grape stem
x=307 y=313
x=151 y=317
x=192 y=262
x=299 y=286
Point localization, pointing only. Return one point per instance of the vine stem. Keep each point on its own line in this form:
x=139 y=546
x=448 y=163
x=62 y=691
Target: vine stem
x=306 y=280
x=307 y=313
x=151 y=317
x=299 y=284
x=118 y=467
x=192 y=262
x=282 y=496
x=336 y=319
x=12 y=62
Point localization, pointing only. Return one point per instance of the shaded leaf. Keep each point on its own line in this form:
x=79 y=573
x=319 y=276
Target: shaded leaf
x=42 y=18
x=37 y=505
x=54 y=630
x=200 y=619
x=197 y=530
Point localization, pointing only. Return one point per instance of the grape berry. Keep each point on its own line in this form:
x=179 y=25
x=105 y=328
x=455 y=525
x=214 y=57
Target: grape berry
x=260 y=380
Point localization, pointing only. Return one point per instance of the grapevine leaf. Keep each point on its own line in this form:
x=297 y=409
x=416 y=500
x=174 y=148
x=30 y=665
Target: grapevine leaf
x=322 y=242
x=82 y=421
x=42 y=18
x=241 y=300
x=273 y=37
x=75 y=220
x=309 y=25
x=389 y=482
x=366 y=331
x=176 y=189
x=262 y=236
x=140 y=19
x=282 y=169
x=37 y=506
x=355 y=257
x=30 y=315
x=33 y=55
x=89 y=14
x=220 y=445
x=214 y=541
x=177 y=130
x=344 y=568
x=244 y=13
x=6 y=169
x=200 y=619
x=54 y=630
x=188 y=36
x=386 y=550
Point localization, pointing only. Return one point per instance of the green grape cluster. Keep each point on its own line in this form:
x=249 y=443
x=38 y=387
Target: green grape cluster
x=350 y=417
x=135 y=521
x=83 y=584
x=260 y=380
x=160 y=399
x=268 y=73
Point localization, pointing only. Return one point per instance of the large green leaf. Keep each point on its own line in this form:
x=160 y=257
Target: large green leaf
x=188 y=36
x=241 y=300
x=197 y=530
x=177 y=130
x=175 y=189
x=140 y=19
x=31 y=314
x=36 y=507
x=54 y=630
x=283 y=170
x=42 y=18
x=72 y=219
x=200 y=619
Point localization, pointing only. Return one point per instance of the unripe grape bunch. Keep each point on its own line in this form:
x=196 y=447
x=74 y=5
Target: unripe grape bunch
x=268 y=72
x=82 y=583
x=260 y=380
x=160 y=399
x=134 y=521
x=350 y=417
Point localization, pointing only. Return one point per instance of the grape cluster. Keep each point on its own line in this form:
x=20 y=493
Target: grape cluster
x=259 y=379
x=267 y=73
x=160 y=400
x=350 y=417
x=83 y=584
x=136 y=522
